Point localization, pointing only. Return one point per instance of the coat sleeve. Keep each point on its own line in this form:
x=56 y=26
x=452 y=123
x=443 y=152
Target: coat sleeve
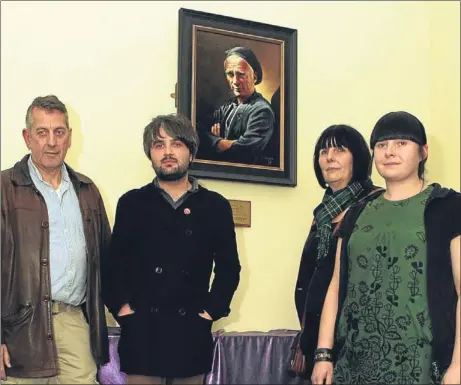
x=218 y=117
x=104 y=239
x=4 y=247
x=7 y=245
x=305 y=271
x=115 y=287
x=260 y=127
x=454 y=221
x=226 y=264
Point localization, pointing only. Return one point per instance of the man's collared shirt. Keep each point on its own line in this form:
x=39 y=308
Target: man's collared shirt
x=182 y=199
x=68 y=265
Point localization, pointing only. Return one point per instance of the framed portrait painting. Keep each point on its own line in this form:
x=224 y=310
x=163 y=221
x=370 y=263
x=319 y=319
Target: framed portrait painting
x=237 y=84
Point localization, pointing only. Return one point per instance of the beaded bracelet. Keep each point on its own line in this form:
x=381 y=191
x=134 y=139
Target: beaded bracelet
x=323 y=354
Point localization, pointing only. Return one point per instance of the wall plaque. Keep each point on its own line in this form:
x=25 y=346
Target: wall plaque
x=241 y=211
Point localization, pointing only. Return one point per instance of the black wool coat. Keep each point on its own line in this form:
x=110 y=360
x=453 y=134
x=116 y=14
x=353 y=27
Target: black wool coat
x=161 y=261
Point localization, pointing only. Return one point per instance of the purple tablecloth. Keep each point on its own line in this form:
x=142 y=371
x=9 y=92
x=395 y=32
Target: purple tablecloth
x=239 y=358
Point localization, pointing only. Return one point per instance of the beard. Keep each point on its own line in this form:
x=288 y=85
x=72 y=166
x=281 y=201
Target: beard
x=170 y=174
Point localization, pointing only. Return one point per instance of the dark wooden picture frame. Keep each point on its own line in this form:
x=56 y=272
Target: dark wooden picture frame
x=260 y=132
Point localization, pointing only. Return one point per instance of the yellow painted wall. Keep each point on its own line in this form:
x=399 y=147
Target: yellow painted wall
x=114 y=65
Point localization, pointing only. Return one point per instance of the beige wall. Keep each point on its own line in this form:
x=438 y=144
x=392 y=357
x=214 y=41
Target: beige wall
x=115 y=63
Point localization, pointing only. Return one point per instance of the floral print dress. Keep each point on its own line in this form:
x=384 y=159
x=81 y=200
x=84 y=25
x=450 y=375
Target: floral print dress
x=384 y=332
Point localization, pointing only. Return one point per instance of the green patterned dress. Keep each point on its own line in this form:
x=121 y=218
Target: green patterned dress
x=384 y=331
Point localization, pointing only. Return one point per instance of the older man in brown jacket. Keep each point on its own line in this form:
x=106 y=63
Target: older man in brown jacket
x=54 y=231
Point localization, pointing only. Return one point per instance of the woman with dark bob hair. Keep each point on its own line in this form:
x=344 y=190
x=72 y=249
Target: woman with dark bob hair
x=342 y=164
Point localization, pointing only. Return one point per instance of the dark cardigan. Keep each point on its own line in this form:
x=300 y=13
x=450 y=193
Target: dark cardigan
x=442 y=223
x=311 y=288
x=314 y=277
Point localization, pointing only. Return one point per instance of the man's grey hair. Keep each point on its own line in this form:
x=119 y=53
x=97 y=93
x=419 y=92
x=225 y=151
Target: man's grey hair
x=177 y=126
x=48 y=103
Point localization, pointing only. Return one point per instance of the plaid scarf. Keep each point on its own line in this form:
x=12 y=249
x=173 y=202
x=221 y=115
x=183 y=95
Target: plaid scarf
x=333 y=204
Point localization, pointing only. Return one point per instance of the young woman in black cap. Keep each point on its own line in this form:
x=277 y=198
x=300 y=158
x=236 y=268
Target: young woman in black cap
x=392 y=312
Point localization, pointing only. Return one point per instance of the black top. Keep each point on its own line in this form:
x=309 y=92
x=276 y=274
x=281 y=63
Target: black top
x=313 y=280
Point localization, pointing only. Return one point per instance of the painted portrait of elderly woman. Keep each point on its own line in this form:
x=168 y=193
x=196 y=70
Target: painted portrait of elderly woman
x=237 y=97
x=240 y=129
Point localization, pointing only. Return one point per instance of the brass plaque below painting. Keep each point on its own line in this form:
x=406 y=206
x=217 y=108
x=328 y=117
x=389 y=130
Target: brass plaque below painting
x=241 y=211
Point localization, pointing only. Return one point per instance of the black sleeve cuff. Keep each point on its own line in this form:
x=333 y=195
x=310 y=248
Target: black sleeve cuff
x=217 y=312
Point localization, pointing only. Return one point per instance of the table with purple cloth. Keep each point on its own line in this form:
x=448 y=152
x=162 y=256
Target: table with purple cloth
x=238 y=358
